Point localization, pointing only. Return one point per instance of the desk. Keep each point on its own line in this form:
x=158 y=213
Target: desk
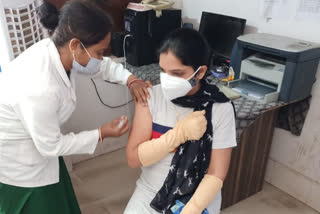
x=249 y=160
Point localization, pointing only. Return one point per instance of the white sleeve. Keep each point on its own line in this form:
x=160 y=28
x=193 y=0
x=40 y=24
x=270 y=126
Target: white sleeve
x=150 y=100
x=38 y=114
x=113 y=72
x=224 y=126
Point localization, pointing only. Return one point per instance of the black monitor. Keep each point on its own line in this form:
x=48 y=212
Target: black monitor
x=221 y=32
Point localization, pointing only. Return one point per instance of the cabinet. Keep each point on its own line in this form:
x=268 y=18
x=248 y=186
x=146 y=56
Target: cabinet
x=115 y=8
x=249 y=160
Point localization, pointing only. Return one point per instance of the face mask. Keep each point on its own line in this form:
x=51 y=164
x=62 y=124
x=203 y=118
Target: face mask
x=174 y=87
x=92 y=68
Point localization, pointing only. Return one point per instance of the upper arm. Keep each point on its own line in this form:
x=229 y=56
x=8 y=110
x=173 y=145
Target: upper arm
x=224 y=126
x=38 y=114
x=141 y=129
x=224 y=138
x=113 y=71
x=140 y=132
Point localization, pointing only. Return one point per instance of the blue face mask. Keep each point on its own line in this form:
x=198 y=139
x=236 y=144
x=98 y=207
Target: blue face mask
x=92 y=68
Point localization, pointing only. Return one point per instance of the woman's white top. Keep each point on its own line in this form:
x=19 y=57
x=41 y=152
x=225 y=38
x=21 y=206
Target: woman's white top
x=36 y=98
x=165 y=115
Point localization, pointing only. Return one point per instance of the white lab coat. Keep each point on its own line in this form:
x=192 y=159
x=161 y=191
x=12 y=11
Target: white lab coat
x=36 y=98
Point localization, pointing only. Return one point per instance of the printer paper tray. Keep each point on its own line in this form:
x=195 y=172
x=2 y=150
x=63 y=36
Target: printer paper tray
x=254 y=91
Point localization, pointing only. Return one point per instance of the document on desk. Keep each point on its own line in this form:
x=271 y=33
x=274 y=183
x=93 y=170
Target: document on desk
x=308 y=11
x=275 y=8
x=231 y=94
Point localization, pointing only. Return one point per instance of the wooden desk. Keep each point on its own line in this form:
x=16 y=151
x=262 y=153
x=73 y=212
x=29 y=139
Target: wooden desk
x=249 y=160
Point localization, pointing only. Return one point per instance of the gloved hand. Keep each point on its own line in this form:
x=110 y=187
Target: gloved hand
x=205 y=193
x=192 y=127
x=178 y=207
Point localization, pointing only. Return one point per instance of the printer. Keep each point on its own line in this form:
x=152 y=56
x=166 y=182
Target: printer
x=270 y=67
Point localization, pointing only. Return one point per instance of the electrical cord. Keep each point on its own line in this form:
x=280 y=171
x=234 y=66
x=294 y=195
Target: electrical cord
x=113 y=107
x=125 y=66
x=124 y=50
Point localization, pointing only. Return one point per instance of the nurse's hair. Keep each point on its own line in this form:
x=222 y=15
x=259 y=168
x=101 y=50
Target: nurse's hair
x=76 y=19
x=189 y=46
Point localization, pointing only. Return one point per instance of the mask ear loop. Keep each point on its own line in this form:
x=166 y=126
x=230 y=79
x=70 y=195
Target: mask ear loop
x=85 y=49
x=194 y=73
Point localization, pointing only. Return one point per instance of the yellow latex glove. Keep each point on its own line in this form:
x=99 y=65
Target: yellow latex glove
x=191 y=127
x=205 y=193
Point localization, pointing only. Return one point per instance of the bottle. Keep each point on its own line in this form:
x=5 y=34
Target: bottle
x=230 y=76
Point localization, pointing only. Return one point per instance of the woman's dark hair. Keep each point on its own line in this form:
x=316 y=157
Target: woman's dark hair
x=187 y=45
x=76 y=19
x=48 y=16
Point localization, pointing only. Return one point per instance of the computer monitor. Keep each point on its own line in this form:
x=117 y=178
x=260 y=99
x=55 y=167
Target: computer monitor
x=221 y=31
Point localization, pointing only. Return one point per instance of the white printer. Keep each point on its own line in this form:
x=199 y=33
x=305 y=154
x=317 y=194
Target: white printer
x=270 y=67
x=260 y=78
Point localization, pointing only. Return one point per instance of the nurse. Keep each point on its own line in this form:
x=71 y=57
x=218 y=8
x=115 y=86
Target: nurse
x=37 y=97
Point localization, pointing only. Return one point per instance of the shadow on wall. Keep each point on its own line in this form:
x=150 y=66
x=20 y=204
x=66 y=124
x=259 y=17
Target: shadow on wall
x=194 y=22
x=250 y=29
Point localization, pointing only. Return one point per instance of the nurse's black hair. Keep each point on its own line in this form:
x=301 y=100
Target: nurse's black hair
x=189 y=46
x=76 y=19
x=48 y=16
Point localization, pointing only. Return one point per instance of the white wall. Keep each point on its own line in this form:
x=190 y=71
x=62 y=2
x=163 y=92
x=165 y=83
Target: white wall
x=294 y=162
x=90 y=113
x=249 y=9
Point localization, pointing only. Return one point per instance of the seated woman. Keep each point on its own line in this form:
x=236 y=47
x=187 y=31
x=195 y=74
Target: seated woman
x=183 y=138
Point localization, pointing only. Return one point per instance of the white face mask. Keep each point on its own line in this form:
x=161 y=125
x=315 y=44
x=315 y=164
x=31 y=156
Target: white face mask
x=92 y=68
x=174 y=87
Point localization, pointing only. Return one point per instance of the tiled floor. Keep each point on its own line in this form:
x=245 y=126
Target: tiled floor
x=103 y=186
x=270 y=200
